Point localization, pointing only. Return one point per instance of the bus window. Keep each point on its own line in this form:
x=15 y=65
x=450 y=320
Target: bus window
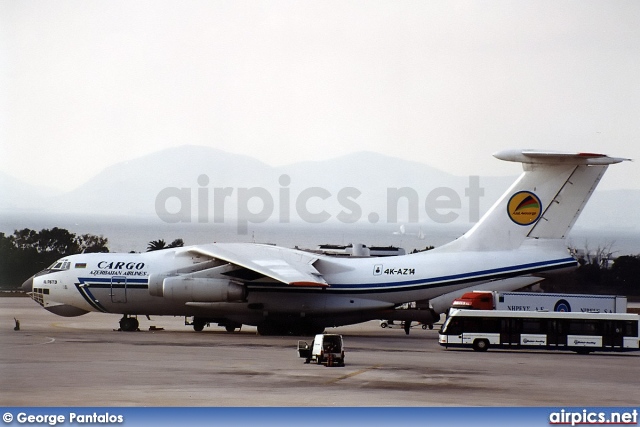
x=453 y=326
x=481 y=324
x=585 y=327
x=593 y=327
x=533 y=326
x=491 y=325
x=575 y=327
x=630 y=329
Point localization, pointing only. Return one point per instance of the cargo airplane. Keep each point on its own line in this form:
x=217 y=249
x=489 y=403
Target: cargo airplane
x=288 y=291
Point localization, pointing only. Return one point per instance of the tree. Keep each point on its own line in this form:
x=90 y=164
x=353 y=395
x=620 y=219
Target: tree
x=58 y=241
x=626 y=271
x=156 y=245
x=177 y=243
x=27 y=251
x=90 y=243
x=25 y=238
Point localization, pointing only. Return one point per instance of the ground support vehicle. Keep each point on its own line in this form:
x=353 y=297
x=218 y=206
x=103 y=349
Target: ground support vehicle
x=539 y=301
x=327 y=349
x=393 y=324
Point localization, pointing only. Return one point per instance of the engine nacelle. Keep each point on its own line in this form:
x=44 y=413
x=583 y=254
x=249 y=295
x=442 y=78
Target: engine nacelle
x=196 y=289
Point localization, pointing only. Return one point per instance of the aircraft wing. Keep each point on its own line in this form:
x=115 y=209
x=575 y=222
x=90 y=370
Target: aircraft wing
x=289 y=266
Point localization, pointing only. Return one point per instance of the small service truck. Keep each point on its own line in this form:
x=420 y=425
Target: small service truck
x=327 y=349
x=392 y=324
x=536 y=301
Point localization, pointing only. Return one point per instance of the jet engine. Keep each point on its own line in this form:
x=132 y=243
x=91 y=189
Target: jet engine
x=196 y=289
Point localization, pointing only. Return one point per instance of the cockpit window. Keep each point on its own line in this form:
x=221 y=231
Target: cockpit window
x=59 y=266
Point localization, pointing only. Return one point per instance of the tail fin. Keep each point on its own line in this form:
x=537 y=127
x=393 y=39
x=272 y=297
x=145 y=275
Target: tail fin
x=543 y=203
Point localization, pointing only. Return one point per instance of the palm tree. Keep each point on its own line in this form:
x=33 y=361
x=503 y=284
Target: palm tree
x=155 y=245
x=177 y=243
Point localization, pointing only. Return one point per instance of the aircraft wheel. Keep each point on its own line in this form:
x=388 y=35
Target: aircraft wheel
x=230 y=328
x=129 y=324
x=198 y=325
x=133 y=324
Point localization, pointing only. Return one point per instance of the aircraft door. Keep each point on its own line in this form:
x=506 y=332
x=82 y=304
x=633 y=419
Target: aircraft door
x=119 y=289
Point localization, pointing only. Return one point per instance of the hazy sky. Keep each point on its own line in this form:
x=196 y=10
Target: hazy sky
x=85 y=84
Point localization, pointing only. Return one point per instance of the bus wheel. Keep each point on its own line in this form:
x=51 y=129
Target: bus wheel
x=583 y=351
x=481 y=345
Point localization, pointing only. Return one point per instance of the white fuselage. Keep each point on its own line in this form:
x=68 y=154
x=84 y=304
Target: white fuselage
x=119 y=283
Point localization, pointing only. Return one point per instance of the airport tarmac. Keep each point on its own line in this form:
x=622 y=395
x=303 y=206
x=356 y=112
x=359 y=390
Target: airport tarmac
x=83 y=361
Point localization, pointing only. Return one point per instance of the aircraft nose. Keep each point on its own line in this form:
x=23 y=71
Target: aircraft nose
x=27 y=286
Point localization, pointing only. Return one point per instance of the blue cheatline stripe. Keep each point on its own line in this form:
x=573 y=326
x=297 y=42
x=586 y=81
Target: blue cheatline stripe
x=104 y=283
x=88 y=296
x=434 y=282
x=522 y=268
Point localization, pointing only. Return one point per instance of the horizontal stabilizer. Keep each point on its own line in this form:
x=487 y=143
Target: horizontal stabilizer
x=556 y=157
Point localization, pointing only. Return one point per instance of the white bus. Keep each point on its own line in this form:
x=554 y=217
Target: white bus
x=580 y=332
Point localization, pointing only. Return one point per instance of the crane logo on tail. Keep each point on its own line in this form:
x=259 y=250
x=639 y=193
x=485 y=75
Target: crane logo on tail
x=524 y=208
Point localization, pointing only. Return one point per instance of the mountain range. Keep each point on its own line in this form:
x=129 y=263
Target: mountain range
x=200 y=184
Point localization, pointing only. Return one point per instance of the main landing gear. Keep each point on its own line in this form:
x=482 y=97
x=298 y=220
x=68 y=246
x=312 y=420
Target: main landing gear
x=199 y=324
x=129 y=324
